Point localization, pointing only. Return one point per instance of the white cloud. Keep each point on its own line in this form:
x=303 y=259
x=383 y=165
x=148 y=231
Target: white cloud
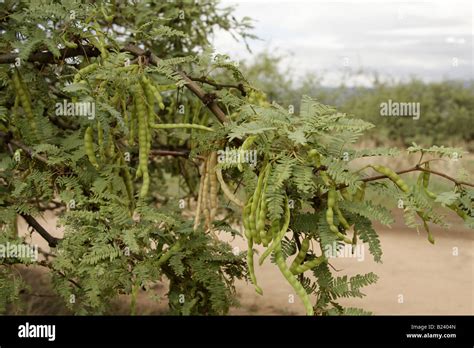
x=426 y=31
x=392 y=37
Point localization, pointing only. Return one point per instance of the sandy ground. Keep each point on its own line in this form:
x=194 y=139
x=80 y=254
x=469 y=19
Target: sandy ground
x=431 y=278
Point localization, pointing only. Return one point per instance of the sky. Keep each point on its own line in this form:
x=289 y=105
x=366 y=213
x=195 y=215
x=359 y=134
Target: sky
x=432 y=40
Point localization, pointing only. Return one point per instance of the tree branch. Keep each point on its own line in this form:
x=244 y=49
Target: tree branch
x=419 y=168
x=48 y=265
x=170 y=153
x=191 y=85
x=47 y=57
x=90 y=51
x=27 y=149
x=240 y=86
x=52 y=241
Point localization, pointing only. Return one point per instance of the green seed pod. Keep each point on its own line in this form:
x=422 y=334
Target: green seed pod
x=251 y=219
x=360 y=193
x=142 y=140
x=262 y=215
x=267 y=238
x=301 y=255
x=346 y=195
x=330 y=222
x=123 y=106
x=262 y=209
x=425 y=224
x=462 y=214
x=150 y=100
x=132 y=126
x=430 y=194
x=107 y=17
x=99 y=43
x=248 y=142
x=213 y=185
x=315 y=158
x=89 y=147
x=430 y=236
x=67 y=43
x=100 y=140
x=426 y=176
x=85 y=71
x=402 y=185
x=205 y=195
x=281 y=234
x=127 y=179
x=205 y=119
x=392 y=176
x=342 y=219
x=330 y=216
x=258 y=189
x=148 y=137
x=25 y=101
x=250 y=266
x=110 y=150
x=114 y=101
x=157 y=96
x=255 y=204
x=325 y=178
x=332 y=197
x=309 y=265
x=275 y=228
x=314 y=155
x=245 y=146
x=145 y=185
x=295 y=284
x=170 y=252
x=245 y=219
x=226 y=190
x=419 y=181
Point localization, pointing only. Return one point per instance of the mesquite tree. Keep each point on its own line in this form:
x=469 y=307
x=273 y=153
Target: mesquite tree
x=148 y=146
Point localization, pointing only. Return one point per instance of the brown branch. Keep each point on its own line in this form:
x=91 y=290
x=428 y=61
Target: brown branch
x=240 y=86
x=212 y=105
x=49 y=266
x=419 y=168
x=35 y=294
x=44 y=264
x=52 y=241
x=380 y=177
x=190 y=84
x=27 y=149
x=457 y=182
x=169 y=153
x=47 y=57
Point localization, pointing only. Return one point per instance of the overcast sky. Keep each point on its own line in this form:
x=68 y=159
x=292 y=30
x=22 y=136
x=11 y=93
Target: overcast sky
x=432 y=40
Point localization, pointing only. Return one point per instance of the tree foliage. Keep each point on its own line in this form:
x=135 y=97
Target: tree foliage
x=107 y=108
